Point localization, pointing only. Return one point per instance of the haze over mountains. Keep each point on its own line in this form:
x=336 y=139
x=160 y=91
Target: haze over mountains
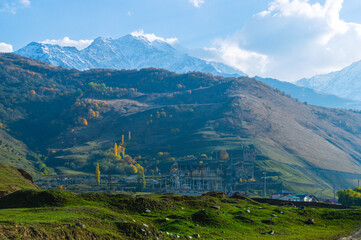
x=128 y=52
x=345 y=83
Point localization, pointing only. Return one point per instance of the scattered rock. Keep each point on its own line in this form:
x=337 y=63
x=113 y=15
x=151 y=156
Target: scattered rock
x=167 y=219
x=196 y=235
x=301 y=208
x=269 y=233
x=274 y=215
x=215 y=207
x=248 y=211
x=79 y=224
x=147 y=211
x=310 y=221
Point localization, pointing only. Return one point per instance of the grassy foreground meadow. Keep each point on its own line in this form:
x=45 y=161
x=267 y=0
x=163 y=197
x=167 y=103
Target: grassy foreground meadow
x=53 y=214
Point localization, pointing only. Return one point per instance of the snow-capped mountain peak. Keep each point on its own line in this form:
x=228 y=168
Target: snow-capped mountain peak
x=345 y=83
x=132 y=51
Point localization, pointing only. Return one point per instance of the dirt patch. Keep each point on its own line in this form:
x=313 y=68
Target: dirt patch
x=18 y=231
x=139 y=230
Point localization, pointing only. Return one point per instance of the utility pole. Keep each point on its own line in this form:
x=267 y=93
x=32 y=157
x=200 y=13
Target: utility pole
x=265 y=184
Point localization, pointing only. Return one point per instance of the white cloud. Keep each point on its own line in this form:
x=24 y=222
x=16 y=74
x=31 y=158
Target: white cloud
x=296 y=39
x=13 y=6
x=5 y=47
x=196 y=3
x=25 y=3
x=129 y=13
x=152 y=37
x=66 y=41
x=229 y=52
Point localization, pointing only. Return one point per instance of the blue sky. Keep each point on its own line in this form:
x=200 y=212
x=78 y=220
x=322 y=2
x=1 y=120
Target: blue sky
x=284 y=39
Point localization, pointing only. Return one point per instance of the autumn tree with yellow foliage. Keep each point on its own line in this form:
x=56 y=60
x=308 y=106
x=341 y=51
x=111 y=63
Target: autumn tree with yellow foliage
x=115 y=149
x=97 y=174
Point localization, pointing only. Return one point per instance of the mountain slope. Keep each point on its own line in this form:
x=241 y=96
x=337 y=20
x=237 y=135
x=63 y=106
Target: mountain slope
x=128 y=52
x=13 y=179
x=345 y=83
x=306 y=94
x=302 y=147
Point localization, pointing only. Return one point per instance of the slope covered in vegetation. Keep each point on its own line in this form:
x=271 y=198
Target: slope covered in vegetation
x=62 y=215
x=72 y=119
x=12 y=179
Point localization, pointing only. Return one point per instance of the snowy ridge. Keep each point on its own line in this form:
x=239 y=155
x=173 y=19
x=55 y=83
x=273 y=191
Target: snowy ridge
x=345 y=83
x=128 y=52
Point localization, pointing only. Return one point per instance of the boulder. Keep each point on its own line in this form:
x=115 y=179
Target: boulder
x=215 y=207
x=196 y=235
x=79 y=224
x=310 y=221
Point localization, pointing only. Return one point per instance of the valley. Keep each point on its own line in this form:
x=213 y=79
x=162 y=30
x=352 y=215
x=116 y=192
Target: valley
x=69 y=120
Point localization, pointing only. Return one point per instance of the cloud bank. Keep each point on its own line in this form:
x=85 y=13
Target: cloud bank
x=292 y=39
x=66 y=41
x=5 y=47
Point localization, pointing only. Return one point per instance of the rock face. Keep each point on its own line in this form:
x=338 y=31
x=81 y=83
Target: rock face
x=26 y=175
x=128 y=52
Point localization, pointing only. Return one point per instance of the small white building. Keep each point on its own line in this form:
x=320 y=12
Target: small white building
x=299 y=198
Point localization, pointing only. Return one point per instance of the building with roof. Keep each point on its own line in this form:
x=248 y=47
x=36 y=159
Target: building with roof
x=282 y=193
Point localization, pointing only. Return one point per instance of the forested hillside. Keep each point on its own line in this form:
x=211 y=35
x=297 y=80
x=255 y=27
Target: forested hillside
x=70 y=120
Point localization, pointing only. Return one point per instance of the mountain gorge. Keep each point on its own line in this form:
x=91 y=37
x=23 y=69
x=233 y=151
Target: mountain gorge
x=70 y=119
x=128 y=52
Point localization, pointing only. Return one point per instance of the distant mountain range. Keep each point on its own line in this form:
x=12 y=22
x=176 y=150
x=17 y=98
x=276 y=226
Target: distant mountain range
x=345 y=83
x=128 y=52
x=137 y=52
x=311 y=96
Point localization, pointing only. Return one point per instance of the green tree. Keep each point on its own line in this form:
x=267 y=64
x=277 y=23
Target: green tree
x=141 y=183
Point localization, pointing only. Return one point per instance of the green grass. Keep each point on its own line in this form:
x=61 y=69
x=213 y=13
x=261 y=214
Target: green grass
x=14 y=153
x=12 y=180
x=122 y=217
